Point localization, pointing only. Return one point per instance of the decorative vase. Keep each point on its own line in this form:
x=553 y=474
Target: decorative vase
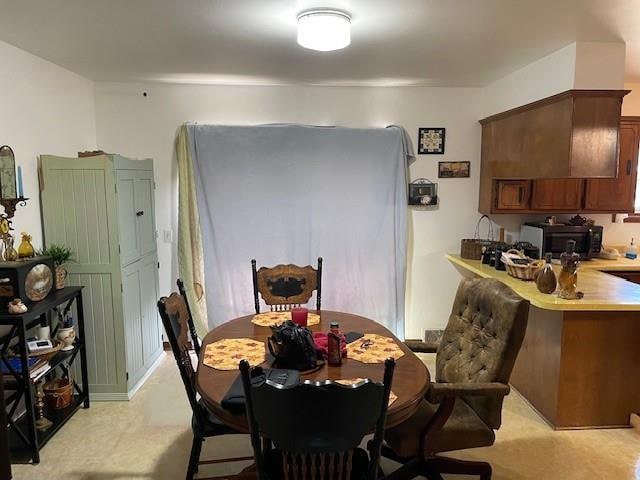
x=67 y=336
x=10 y=254
x=61 y=277
x=25 y=249
x=546 y=279
x=568 y=278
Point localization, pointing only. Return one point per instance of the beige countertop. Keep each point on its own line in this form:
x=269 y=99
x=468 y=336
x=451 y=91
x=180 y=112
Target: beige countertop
x=620 y=265
x=602 y=292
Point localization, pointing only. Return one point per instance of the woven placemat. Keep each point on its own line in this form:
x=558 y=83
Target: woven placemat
x=351 y=381
x=374 y=348
x=271 y=319
x=226 y=354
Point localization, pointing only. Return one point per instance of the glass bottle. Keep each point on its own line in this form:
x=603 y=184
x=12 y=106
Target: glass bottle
x=568 y=279
x=546 y=280
x=25 y=249
x=10 y=254
x=334 y=349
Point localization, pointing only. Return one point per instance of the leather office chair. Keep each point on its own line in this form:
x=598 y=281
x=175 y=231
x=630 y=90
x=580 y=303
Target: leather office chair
x=179 y=326
x=316 y=427
x=286 y=286
x=463 y=406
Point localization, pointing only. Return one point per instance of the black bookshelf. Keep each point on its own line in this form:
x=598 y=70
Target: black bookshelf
x=25 y=441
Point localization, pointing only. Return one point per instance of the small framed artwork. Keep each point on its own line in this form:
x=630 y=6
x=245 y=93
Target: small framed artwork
x=431 y=141
x=454 y=169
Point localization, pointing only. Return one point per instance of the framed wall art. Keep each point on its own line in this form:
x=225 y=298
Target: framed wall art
x=431 y=141
x=454 y=169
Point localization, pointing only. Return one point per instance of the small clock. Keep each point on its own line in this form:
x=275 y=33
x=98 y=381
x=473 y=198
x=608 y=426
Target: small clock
x=30 y=280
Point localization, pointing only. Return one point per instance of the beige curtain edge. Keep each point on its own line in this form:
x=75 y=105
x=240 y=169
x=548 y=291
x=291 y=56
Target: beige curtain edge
x=190 y=254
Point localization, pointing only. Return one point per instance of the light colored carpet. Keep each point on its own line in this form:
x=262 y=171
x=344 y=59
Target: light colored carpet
x=150 y=437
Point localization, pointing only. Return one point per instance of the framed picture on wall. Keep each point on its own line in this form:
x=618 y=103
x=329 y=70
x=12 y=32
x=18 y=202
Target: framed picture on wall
x=431 y=141
x=454 y=169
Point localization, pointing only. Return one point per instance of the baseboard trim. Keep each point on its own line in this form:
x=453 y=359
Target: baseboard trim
x=156 y=363
x=109 y=397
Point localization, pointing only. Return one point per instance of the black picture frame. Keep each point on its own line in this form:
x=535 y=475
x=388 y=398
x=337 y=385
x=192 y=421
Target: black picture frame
x=434 y=140
x=454 y=169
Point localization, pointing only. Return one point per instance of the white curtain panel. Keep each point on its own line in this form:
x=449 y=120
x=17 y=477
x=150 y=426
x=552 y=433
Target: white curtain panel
x=292 y=193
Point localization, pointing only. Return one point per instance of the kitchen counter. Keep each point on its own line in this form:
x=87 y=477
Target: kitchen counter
x=620 y=265
x=602 y=292
x=579 y=361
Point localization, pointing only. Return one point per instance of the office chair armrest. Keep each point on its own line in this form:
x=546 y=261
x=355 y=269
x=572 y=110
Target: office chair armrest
x=439 y=391
x=420 y=346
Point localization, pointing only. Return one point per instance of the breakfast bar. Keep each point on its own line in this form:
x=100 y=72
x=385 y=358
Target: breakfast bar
x=580 y=360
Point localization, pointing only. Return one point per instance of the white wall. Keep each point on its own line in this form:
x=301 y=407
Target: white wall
x=45 y=109
x=132 y=124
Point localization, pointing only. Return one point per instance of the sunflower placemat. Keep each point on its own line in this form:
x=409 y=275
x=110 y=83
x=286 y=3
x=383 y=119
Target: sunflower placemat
x=351 y=381
x=226 y=354
x=374 y=348
x=271 y=319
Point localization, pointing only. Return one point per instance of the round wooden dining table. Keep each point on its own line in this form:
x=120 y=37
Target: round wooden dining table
x=410 y=378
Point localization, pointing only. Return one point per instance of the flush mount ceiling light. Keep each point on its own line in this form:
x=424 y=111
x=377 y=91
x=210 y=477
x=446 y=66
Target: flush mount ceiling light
x=324 y=29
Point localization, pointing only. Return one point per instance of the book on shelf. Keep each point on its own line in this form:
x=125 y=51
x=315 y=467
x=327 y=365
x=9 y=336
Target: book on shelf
x=16 y=364
x=37 y=367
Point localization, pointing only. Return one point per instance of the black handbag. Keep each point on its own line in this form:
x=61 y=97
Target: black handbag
x=293 y=346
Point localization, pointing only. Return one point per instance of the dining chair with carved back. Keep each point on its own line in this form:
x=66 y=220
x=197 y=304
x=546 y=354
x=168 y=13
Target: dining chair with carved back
x=195 y=341
x=286 y=286
x=177 y=324
x=463 y=407
x=316 y=427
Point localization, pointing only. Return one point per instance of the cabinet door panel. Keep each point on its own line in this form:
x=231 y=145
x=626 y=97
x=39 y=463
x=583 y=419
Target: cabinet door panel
x=132 y=309
x=557 y=194
x=129 y=237
x=151 y=333
x=618 y=194
x=512 y=194
x=144 y=212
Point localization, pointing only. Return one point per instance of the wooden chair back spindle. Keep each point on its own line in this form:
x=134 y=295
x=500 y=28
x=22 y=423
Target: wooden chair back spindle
x=195 y=341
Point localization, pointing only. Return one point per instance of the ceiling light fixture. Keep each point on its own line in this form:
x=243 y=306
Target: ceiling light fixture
x=324 y=29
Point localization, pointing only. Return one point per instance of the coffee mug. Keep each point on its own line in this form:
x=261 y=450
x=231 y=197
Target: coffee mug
x=43 y=333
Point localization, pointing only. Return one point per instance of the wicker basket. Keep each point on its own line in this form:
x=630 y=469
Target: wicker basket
x=523 y=272
x=472 y=248
x=58 y=393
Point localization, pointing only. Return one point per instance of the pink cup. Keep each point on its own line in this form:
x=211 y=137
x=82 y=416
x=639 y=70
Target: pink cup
x=299 y=316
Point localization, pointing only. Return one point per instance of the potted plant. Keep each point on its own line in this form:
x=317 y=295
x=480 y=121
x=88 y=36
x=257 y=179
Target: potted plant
x=60 y=255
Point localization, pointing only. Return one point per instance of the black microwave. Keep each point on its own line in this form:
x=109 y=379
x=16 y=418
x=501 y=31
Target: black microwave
x=553 y=238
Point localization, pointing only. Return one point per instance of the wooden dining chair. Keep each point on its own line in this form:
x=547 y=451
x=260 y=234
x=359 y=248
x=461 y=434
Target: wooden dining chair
x=316 y=427
x=176 y=319
x=463 y=407
x=195 y=341
x=286 y=286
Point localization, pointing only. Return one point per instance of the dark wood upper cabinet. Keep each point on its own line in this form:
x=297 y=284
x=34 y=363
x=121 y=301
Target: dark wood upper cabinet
x=617 y=195
x=512 y=195
x=570 y=135
x=565 y=150
x=557 y=194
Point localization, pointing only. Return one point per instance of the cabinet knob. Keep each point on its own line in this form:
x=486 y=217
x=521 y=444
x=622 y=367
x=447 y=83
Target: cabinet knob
x=140 y=213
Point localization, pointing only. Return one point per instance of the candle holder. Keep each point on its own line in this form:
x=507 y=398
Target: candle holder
x=10 y=205
x=42 y=422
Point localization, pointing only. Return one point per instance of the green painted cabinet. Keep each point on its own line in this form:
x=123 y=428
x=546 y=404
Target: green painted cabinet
x=103 y=208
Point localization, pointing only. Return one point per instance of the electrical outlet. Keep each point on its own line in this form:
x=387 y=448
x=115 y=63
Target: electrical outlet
x=167 y=236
